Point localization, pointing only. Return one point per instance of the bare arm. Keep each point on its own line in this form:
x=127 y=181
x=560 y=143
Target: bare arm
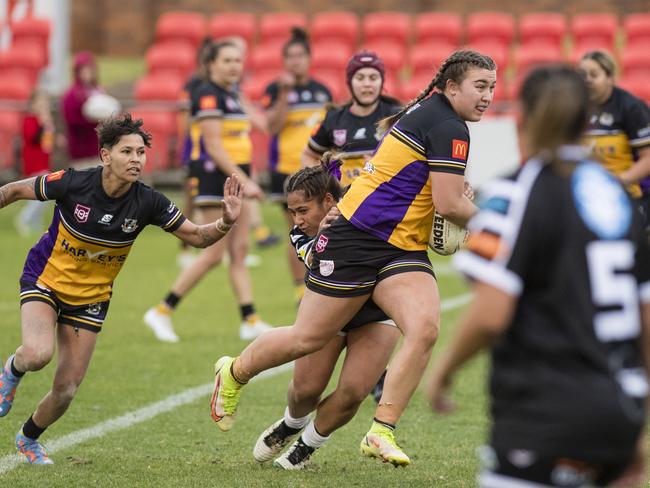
x=277 y=113
x=639 y=170
x=309 y=158
x=449 y=198
x=17 y=190
x=257 y=117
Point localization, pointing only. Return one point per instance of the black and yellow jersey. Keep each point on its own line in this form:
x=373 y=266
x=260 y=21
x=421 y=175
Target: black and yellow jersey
x=191 y=144
x=91 y=233
x=392 y=199
x=353 y=137
x=306 y=111
x=616 y=130
x=212 y=101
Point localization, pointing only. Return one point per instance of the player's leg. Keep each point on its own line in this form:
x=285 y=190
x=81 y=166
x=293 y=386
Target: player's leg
x=311 y=374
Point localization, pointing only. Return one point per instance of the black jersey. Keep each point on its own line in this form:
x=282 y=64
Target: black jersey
x=616 y=130
x=567 y=375
x=213 y=101
x=302 y=243
x=91 y=233
x=192 y=142
x=355 y=138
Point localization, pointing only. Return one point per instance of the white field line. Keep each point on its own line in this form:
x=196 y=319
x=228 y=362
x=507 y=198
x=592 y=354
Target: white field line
x=11 y=461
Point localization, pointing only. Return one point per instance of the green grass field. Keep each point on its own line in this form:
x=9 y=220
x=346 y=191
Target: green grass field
x=183 y=447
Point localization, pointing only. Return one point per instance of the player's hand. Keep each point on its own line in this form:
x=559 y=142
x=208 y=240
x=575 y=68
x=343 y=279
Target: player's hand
x=469 y=191
x=286 y=81
x=438 y=393
x=233 y=193
x=253 y=190
x=331 y=216
x=635 y=473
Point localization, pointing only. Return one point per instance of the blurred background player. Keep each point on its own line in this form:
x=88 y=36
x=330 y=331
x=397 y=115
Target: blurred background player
x=376 y=250
x=619 y=129
x=80 y=131
x=294 y=107
x=561 y=271
x=38 y=142
x=369 y=338
x=224 y=148
x=67 y=281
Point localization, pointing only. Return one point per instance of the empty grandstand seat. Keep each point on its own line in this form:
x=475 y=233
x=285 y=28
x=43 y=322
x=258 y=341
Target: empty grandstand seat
x=637 y=85
x=277 y=25
x=494 y=27
x=330 y=55
x=530 y=56
x=547 y=28
x=25 y=59
x=10 y=137
x=392 y=54
x=637 y=29
x=335 y=83
x=32 y=30
x=161 y=124
x=438 y=27
x=226 y=24
x=412 y=87
x=255 y=86
x=595 y=28
x=186 y=27
x=340 y=26
x=496 y=50
x=635 y=61
x=158 y=87
x=427 y=57
x=587 y=45
x=177 y=59
x=267 y=56
x=386 y=26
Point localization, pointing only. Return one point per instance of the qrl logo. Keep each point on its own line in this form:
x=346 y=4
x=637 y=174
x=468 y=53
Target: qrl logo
x=459 y=149
x=81 y=213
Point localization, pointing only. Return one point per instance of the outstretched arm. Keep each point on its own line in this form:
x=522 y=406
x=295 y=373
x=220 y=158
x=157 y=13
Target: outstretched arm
x=17 y=190
x=206 y=235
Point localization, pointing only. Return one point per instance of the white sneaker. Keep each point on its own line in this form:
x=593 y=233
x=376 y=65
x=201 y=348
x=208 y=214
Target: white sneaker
x=248 y=332
x=185 y=259
x=161 y=325
x=252 y=260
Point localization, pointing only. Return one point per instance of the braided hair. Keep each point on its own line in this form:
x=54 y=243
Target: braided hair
x=317 y=181
x=453 y=68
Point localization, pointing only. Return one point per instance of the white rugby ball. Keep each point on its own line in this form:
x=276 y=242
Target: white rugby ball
x=100 y=106
x=446 y=237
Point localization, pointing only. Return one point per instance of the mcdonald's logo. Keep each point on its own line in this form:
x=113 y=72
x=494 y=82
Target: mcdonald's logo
x=208 y=102
x=459 y=149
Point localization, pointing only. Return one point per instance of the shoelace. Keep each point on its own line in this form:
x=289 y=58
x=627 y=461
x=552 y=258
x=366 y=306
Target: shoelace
x=300 y=453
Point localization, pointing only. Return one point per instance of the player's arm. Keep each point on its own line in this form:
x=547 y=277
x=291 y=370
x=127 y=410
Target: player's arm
x=257 y=117
x=639 y=170
x=278 y=111
x=17 y=190
x=208 y=234
x=450 y=198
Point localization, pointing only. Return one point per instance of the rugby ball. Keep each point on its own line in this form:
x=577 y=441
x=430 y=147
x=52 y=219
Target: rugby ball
x=446 y=237
x=100 y=106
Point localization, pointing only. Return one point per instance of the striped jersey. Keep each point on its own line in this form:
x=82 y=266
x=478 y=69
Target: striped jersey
x=616 y=130
x=212 y=101
x=192 y=143
x=91 y=234
x=306 y=111
x=392 y=199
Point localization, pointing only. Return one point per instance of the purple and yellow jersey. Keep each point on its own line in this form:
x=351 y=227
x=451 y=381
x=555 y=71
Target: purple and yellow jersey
x=392 y=199
x=616 y=130
x=91 y=233
x=354 y=138
x=306 y=111
x=212 y=101
x=192 y=143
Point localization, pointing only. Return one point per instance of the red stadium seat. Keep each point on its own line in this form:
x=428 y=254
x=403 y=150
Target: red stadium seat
x=335 y=82
x=546 y=28
x=637 y=29
x=595 y=29
x=176 y=59
x=32 y=30
x=340 y=26
x=426 y=58
x=412 y=87
x=25 y=59
x=438 y=27
x=386 y=26
x=493 y=27
x=186 y=27
x=161 y=124
x=10 y=137
x=277 y=26
x=392 y=87
x=15 y=86
x=226 y=24
x=579 y=49
x=392 y=53
x=635 y=62
x=267 y=56
x=158 y=87
x=330 y=55
x=496 y=50
x=530 y=56
x=255 y=86
x=637 y=85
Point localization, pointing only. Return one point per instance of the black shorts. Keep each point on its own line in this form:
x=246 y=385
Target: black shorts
x=525 y=468
x=90 y=316
x=207 y=182
x=644 y=207
x=368 y=314
x=349 y=262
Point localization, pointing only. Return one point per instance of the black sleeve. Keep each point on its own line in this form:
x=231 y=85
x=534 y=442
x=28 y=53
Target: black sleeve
x=53 y=186
x=321 y=139
x=164 y=212
x=209 y=104
x=302 y=243
x=447 y=147
x=636 y=123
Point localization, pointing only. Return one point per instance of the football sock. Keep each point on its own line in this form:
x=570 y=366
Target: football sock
x=14 y=371
x=171 y=301
x=294 y=423
x=246 y=311
x=312 y=438
x=385 y=424
x=31 y=430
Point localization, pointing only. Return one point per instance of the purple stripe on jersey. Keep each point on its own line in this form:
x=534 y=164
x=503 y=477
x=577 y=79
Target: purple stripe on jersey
x=41 y=252
x=385 y=207
x=274 y=153
x=186 y=153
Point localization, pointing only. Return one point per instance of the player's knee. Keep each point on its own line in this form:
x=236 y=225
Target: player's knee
x=35 y=357
x=307 y=393
x=306 y=343
x=425 y=331
x=353 y=394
